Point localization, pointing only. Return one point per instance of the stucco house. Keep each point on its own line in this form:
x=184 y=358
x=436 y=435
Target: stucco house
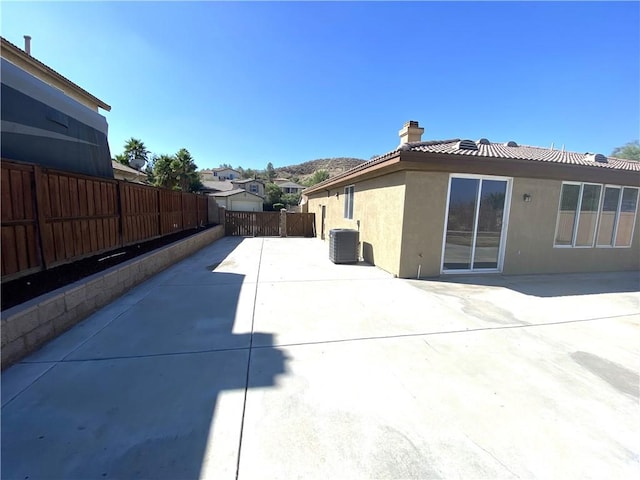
x=239 y=201
x=224 y=173
x=252 y=185
x=463 y=206
x=30 y=64
x=287 y=186
x=47 y=119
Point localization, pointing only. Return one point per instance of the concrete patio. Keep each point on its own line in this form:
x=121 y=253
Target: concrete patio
x=259 y=358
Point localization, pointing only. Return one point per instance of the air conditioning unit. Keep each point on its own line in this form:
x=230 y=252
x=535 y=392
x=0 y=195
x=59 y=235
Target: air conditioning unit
x=343 y=245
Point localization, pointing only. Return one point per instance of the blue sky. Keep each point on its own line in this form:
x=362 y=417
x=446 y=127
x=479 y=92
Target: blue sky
x=252 y=83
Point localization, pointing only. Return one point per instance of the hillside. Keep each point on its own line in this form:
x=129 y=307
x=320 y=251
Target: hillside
x=304 y=170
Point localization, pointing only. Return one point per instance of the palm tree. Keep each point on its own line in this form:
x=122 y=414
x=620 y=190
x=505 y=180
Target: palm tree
x=184 y=168
x=136 y=152
x=163 y=173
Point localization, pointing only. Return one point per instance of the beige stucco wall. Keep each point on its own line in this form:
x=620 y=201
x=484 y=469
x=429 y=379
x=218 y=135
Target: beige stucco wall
x=402 y=223
x=425 y=205
x=247 y=187
x=531 y=235
x=378 y=205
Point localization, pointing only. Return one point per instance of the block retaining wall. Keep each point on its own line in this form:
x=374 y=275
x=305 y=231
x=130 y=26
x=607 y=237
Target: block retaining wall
x=28 y=326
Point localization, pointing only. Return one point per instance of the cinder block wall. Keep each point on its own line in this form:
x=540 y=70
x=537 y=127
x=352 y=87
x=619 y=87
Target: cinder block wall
x=28 y=326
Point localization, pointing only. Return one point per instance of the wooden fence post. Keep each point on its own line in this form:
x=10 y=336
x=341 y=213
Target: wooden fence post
x=39 y=198
x=120 y=212
x=283 y=223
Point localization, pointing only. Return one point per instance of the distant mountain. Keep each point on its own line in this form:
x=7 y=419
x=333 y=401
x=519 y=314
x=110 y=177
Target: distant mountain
x=304 y=170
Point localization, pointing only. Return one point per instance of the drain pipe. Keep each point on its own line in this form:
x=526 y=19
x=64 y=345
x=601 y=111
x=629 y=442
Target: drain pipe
x=419 y=267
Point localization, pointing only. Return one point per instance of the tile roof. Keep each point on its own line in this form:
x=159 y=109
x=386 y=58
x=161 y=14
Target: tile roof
x=248 y=180
x=486 y=149
x=30 y=59
x=235 y=192
x=520 y=152
x=290 y=185
x=219 y=185
x=124 y=168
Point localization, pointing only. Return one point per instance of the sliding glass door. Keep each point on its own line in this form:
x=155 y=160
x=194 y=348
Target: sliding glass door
x=475 y=225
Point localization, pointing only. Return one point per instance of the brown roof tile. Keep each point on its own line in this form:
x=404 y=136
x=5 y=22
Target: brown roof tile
x=522 y=152
x=487 y=149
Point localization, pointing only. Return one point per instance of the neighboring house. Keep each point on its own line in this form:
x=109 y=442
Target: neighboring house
x=463 y=206
x=223 y=173
x=47 y=119
x=289 y=187
x=239 y=200
x=122 y=172
x=250 y=185
x=205 y=175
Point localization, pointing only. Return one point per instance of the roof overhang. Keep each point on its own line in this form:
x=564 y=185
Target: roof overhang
x=234 y=193
x=510 y=167
x=19 y=57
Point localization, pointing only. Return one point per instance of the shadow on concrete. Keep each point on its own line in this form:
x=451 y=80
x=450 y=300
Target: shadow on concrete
x=555 y=285
x=102 y=412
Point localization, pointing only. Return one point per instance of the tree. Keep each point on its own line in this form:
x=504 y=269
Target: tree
x=271 y=172
x=184 y=169
x=273 y=194
x=177 y=172
x=135 y=150
x=317 y=177
x=629 y=151
x=163 y=172
x=148 y=169
x=290 y=199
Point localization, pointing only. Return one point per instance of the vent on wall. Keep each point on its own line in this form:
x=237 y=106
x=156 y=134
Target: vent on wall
x=483 y=141
x=596 y=157
x=510 y=143
x=467 y=145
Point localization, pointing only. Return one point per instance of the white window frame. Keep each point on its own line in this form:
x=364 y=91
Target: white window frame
x=503 y=233
x=618 y=211
x=576 y=220
x=349 y=196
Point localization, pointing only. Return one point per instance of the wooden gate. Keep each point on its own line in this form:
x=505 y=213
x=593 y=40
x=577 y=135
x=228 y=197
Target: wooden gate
x=252 y=224
x=267 y=224
x=300 y=225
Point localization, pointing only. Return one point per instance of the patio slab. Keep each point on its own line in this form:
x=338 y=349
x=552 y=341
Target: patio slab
x=259 y=358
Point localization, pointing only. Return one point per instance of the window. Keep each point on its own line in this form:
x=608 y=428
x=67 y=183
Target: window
x=617 y=216
x=253 y=188
x=584 y=206
x=348 y=202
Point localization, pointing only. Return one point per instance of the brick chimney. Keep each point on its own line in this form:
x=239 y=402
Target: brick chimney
x=411 y=132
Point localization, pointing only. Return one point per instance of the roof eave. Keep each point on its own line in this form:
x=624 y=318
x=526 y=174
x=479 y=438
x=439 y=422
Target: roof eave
x=512 y=167
x=38 y=65
x=372 y=168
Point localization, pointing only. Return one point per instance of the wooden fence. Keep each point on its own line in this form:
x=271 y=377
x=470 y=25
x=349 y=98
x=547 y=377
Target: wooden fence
x=50 y=217
x=267 y=224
